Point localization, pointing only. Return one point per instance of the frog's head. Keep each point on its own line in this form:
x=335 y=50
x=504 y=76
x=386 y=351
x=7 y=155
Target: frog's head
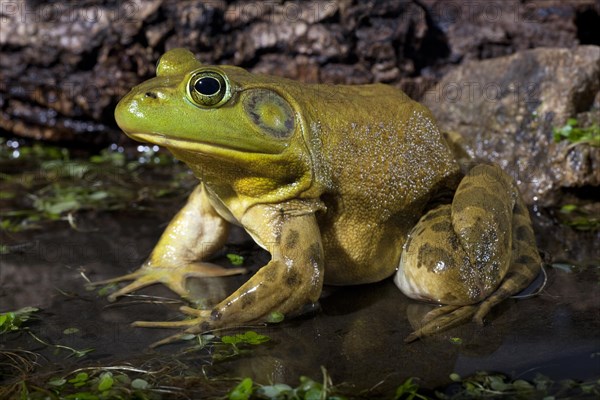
x=227 y=124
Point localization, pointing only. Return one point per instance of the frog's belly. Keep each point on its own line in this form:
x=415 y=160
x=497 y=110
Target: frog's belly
x=350 y=261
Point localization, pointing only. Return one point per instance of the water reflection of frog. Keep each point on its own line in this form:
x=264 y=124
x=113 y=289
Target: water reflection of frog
x=343 y=185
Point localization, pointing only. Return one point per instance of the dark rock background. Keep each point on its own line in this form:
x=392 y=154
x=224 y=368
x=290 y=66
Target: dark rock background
x=64 y=65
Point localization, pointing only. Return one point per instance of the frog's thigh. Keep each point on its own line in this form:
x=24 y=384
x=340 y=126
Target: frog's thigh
x=526 y=262
x=431 y=265
x=458 y=254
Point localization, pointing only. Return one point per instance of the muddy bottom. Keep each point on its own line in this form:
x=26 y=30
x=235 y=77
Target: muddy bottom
x=357 y=334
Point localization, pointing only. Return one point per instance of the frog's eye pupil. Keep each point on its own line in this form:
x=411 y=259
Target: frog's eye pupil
x=207 y=86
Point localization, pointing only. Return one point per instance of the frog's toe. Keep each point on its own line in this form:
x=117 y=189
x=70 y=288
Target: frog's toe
x=440 y=319
x=169 y=339
x=126 y=277
x=172 y=277
x=143 y=279
x=199 y=318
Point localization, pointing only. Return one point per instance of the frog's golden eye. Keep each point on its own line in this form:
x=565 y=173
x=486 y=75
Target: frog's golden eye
x=208 y=88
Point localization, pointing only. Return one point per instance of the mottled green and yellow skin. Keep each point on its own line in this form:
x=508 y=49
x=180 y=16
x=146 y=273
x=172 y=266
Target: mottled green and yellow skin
x=331 y=180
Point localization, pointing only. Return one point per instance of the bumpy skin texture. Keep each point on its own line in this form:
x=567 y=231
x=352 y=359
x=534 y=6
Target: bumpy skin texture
x=330 y=180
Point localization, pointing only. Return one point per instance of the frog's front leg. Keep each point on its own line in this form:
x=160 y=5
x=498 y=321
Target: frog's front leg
x=195 y=233
x=292 y=279
x=472 y=254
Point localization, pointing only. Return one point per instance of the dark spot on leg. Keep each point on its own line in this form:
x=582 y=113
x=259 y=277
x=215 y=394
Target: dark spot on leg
x=248 y=299
x=524 y=234
x=215 y=315
x=444 y=226
x=291 y=240
x=270 y=274
x=525 y=260
x=453 y=241
x=292 y=279
x=520 y=209
x=434 y=258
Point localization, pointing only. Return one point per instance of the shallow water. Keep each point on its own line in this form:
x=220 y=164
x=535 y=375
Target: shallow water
x=357 y=335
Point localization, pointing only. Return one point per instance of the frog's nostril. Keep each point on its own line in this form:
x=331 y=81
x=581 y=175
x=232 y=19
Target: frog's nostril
x=151 y=95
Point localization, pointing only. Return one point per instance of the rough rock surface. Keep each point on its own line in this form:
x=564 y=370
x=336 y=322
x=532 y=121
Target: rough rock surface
x=506 y=108
x=64 y=65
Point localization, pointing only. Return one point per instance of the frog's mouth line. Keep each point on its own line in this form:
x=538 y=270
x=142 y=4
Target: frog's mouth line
x=192 y=145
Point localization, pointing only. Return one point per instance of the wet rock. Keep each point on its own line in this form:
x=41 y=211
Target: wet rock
x=506 y=108
x=487 y=29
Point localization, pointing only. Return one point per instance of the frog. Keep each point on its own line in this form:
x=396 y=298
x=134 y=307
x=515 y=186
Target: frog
x=341 y=184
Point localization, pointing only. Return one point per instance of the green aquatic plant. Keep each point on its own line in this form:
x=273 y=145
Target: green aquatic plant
x=485 y=385
x=45 y=183
x=409 y=391
x=576 y=135
x=308 y=389
x=97 y=384
x=11 y=321
x=235 y=259
x=225 y=347
x=230 y=346
x=579 y=217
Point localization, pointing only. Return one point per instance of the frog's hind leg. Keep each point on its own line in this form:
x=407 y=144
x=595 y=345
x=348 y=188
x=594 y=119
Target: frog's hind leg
x=526 y=262
x=480 y=250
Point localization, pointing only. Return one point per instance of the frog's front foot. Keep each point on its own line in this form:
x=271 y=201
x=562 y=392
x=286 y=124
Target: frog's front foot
x=173 y=278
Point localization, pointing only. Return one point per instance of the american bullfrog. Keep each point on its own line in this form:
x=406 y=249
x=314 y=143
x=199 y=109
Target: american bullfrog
x=343 y=185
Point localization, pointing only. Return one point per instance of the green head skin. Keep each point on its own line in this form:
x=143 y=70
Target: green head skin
x=227 y=124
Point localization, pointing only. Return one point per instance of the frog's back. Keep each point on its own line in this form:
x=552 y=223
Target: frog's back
x=381 y=158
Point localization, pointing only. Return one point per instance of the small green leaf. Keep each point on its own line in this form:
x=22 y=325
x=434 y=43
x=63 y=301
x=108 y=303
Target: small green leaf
x=140 y=384
x=252 y=337
x=80 y=377
x=235 y=259
x=314 y=394
x=456 y=340
x=568 y=208
x=497 y=383
x=106 y=381
x=230 y=339
x=242 y=391
x=57 y=381
x=520 y=384
x=71 y=331
x=455 y=377
x=275 y=391
x=275 y=317
x=307 y=384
